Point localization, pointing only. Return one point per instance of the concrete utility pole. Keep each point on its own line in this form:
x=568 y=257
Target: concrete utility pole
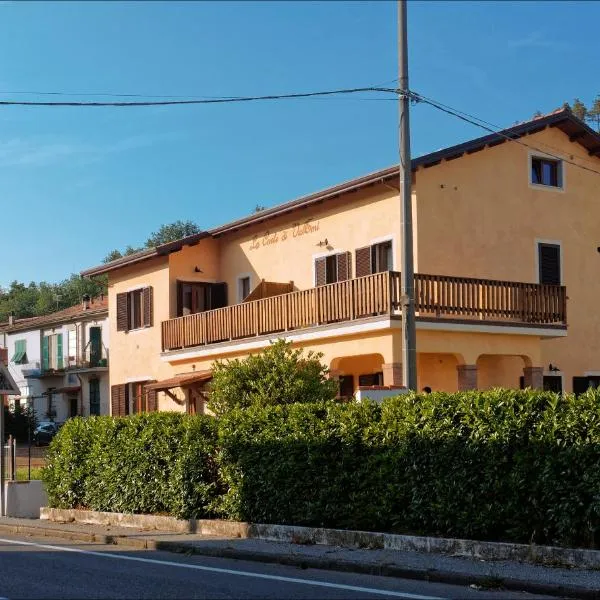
x=407 y=281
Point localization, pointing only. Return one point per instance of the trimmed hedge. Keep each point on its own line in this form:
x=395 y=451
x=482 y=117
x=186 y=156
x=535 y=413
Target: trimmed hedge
x=160 y=463
x=502 y=465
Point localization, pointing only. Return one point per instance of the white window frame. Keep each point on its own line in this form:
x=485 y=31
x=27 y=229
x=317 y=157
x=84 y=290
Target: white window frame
x=239 y=285
x=387 y=238
x=322 y=255
x=537 y=258
x=561 y=172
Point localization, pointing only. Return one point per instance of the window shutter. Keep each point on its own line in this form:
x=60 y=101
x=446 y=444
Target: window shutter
x=122 y=312
x=118 y=400
x=147 y=300
x=179 y=299
x=320 y=271
x=45 y=353
x=59 y=351
x=580 y=385
x=549 y=259
x=363 y=261
x=344 y=266
x=218 y=295
x=152 y=400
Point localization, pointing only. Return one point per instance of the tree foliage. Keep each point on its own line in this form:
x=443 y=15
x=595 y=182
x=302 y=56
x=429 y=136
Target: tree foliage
x=166 y=233
x=34 y=299
x=277 y=375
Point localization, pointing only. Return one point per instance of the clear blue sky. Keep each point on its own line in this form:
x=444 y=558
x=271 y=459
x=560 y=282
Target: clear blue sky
x=76 y=183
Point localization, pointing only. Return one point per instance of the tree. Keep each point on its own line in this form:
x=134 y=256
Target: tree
x=593 y=114
x=537 y=114
x=259 y=208
x=171 y=232
x=579 y=109
x=277 y=375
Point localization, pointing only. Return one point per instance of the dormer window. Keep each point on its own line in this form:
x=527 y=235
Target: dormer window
x=546 y=171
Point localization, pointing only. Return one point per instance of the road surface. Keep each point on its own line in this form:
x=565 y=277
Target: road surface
x=43 y=567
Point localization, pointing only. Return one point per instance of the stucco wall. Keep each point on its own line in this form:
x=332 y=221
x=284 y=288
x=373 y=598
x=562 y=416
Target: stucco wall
x=284 y=249
x=485 y=220
x=135 y=355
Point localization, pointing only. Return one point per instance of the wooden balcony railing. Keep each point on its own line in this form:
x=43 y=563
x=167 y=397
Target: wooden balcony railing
x=436 y=296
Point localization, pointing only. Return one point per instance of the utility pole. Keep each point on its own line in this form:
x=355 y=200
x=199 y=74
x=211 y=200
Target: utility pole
x=407 y=279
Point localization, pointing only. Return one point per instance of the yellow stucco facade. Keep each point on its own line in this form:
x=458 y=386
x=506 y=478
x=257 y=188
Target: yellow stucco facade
x=477 y=215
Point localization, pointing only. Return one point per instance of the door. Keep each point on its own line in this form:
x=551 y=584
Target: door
x=73 y=407
x=95 y=346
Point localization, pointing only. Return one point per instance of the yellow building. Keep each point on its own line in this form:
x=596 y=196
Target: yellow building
x=506 y=235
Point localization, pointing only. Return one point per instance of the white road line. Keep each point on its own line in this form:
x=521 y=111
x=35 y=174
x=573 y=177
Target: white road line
x=168 y=563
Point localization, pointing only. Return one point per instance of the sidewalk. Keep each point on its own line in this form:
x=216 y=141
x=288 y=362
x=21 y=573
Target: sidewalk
x=558 y=581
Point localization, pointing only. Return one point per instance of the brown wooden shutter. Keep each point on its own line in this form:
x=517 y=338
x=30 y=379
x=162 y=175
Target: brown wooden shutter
x=363 y=261
x=344 y=266
x=118 y=400
x=148 y=306
x=122 y=324
x=320 y=271
x=152 y=400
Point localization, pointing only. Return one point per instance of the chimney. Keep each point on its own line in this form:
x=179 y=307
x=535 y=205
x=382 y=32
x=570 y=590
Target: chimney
x=85 y=301
x=11 y=319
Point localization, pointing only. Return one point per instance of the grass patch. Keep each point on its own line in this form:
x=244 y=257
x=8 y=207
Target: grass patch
x=23 y=472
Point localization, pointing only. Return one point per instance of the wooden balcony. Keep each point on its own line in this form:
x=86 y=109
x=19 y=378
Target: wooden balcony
x=436 y=296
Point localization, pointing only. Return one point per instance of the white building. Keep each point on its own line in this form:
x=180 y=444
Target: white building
x=60 y=361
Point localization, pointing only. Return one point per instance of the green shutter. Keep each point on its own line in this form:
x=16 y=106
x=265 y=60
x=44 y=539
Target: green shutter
x=95 y=346
x=19 y=354
x=59 y=352
x=45 y=353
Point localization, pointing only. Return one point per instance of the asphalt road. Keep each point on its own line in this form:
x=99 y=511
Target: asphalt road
x=48 y=568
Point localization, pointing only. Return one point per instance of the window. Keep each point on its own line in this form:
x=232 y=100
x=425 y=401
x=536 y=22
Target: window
x=370 y=379
x=243 y=288
x=549 y=264
x=331 y=274
x=332 y=268
x=375 y=258
x=20 y=355
x=545 y=171
x=195 y=297
x=52 y=352
x=95 y=346
x=72 y=347
x=553 y=383
x=381 y=257
x=135 y=309
x=94 y=396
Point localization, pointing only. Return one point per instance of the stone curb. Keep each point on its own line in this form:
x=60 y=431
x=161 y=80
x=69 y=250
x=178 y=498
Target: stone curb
x=540 y=555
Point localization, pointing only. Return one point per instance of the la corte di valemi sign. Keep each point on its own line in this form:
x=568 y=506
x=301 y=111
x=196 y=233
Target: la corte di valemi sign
x=269 y=238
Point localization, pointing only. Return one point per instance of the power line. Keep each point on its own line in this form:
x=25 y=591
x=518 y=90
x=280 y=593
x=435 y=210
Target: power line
x=480 y=123
x=224 y=100
x=498 y=127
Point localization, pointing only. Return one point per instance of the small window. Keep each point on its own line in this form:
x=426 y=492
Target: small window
x=244 y=288
x=553 y=383
x=546 y=172
x=381 y=257
x=549 y=264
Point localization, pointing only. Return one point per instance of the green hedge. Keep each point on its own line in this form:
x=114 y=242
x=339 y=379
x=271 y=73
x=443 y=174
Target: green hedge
x=500 y=465
x=161 y=463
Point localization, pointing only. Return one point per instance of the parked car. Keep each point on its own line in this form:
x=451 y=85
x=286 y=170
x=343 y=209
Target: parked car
x=45 y=432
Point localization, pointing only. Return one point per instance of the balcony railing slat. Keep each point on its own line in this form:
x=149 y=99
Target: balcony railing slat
x=378 y=294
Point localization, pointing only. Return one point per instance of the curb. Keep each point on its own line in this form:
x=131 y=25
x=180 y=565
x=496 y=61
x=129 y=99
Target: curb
x=430 y=575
